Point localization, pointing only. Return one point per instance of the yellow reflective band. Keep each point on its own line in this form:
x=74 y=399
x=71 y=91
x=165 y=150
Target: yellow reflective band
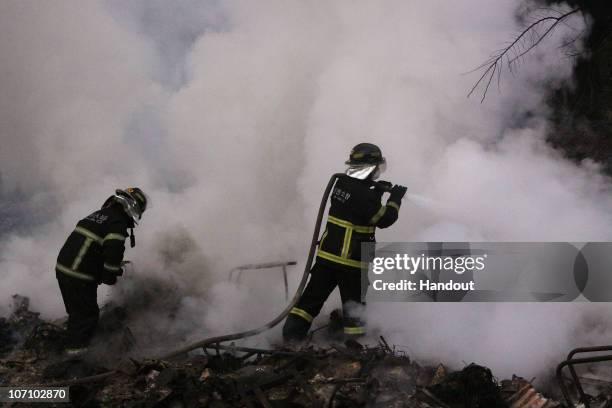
x=110 y=236
x=74 y=274
x=302 y=313
x=82 y=252
x=363 y=229
x=348 y=233
x=339 y=222
x=354 y=330
x=89 y=234
x=378 y=215
x=393 y=204
x=340 y=260
x=112 y=267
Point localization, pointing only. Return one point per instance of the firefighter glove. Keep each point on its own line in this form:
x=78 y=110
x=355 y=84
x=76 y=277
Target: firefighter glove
x=397 y=193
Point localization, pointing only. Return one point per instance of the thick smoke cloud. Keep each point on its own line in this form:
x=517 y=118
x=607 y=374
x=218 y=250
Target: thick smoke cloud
x=71 y=78
x=234 y=114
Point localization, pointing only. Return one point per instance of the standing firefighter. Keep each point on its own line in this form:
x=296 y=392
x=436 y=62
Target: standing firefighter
x=355 y=212
x=92 y=255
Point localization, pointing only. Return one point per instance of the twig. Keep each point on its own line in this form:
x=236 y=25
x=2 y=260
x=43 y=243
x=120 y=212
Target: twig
x=494 y=64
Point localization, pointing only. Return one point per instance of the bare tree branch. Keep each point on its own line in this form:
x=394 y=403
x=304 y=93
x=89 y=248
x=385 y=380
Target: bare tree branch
x=527 y=40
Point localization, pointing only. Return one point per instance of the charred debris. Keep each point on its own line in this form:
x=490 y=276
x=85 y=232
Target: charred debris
x=346 y=374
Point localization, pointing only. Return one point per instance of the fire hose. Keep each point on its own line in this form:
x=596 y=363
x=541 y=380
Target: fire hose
x=241 y=335
x=296 y=296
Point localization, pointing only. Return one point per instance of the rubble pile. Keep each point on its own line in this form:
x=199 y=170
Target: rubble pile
x=336 y=375
x=19 y=326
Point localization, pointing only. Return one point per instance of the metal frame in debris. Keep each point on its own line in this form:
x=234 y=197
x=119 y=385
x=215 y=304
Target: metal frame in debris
x=267 y=265
x=570 y=362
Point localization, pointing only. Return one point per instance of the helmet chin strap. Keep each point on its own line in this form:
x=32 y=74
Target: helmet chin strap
x=130 y=209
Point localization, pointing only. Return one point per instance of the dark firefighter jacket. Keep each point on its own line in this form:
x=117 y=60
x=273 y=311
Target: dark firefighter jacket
x=94 y=250
x=356 y=210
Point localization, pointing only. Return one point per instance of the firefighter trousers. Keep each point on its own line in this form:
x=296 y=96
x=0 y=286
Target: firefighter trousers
x=323 y=280
x=81 y=303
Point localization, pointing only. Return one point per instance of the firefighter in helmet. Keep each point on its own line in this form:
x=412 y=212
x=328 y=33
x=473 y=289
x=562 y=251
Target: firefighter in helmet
x=355 y=212
x=92 y=255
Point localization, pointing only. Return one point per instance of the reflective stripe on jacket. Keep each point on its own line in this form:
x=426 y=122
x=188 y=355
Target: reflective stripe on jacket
x=96 y=245
x=355 y=212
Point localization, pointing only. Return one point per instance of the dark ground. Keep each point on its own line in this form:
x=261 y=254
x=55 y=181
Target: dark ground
x=335 y=375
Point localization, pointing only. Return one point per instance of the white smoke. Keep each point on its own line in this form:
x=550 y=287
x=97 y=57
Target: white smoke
x=233 y=115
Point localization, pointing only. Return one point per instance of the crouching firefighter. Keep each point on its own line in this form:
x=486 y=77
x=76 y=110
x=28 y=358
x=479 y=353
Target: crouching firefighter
x=355 y=212
x=92 y=255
